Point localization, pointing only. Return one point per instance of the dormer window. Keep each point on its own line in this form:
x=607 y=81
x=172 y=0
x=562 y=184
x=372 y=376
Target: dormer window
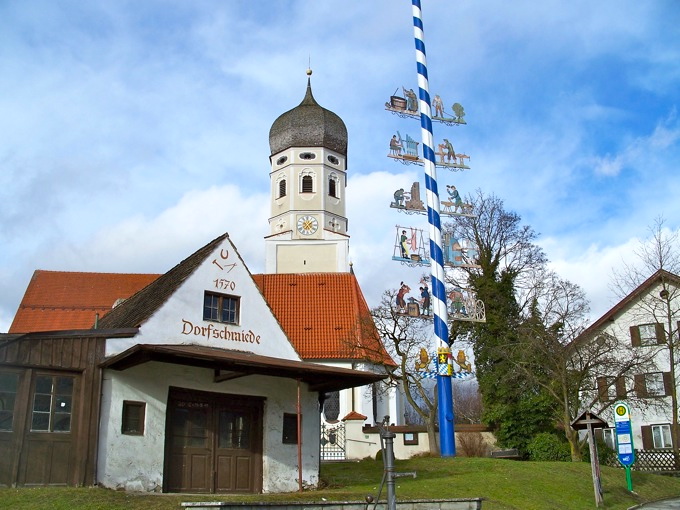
x=307 y=184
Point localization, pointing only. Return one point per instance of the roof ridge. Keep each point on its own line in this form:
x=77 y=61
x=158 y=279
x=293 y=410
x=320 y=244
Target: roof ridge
x=141 y=305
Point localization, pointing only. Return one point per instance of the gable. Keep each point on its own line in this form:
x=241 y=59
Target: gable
x=63 y=300
x=170 y=311
x=625 y=313
x=325 y=315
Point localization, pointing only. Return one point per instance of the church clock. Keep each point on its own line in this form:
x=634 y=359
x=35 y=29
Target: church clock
x=307 y=225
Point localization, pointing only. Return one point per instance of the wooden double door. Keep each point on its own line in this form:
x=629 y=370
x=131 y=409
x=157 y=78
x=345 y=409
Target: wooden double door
x=213 y=442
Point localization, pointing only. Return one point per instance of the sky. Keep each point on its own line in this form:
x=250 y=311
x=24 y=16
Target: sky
x=133 y=133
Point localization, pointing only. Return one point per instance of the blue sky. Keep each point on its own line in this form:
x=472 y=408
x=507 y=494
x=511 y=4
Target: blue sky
x=132 y=133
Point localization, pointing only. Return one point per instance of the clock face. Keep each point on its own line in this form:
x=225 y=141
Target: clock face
x=307 y=225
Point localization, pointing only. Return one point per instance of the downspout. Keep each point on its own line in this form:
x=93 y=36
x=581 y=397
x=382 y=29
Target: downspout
x=299 y=437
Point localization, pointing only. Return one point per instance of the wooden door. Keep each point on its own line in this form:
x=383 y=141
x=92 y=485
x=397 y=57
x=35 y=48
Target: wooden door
x=238 y=456
x=213 y=443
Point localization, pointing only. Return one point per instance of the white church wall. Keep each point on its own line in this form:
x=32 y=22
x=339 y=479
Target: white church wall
x=137 y=462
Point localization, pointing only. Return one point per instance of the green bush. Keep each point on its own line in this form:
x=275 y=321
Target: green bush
x=547 y=446
x=606 y=455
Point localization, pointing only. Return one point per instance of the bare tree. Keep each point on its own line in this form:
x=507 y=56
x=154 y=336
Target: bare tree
x=658 y=256
x=468 y=400
x=555 y=352
x=409 y=341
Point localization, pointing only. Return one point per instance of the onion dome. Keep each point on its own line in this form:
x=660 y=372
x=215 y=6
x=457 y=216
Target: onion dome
x=308 y=125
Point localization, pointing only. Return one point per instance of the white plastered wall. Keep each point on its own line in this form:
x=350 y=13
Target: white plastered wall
x=136 y=462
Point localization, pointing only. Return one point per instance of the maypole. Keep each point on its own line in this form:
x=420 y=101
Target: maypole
x=447 y=441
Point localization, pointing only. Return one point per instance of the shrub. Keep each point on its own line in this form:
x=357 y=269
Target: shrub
x=472 y=444
x=605 y=454
x=547 y=446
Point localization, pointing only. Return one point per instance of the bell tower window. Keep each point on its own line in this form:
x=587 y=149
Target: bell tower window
x=333 y=186
x=307 y=184
x=282 y=188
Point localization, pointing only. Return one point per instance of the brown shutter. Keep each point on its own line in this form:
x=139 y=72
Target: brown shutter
x=667 y=384
x=621 y=387
x=660 y=333
x=647 y=440
x=640 y=386
x=635 y=336
x=602 y=389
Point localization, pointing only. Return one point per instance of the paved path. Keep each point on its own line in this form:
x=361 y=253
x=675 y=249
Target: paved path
x=666 y=504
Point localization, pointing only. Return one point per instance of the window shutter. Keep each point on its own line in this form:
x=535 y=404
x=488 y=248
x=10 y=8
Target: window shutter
x=635 y=336
x=647 y=440
x=602 y=389
x=621 y=387
x=660 y=333
x=667 y=384
x=640 y=386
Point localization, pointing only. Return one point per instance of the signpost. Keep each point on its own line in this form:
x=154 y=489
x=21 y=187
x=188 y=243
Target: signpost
x=624 y=439
x=590 y=421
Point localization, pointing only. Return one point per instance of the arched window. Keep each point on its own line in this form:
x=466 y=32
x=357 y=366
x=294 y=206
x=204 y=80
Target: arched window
x=331 y=406
x=333 y=186
x=307 y=184
x=282 y=188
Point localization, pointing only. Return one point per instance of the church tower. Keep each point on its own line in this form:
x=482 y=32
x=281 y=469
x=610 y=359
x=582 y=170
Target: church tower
x=308 y=222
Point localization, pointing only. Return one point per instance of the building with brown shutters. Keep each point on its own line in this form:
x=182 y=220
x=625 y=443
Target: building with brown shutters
x=645 y=322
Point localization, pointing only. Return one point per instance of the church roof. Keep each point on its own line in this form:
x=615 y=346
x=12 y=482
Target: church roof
x=324 y=314
x=308 y=125
x=60 y=300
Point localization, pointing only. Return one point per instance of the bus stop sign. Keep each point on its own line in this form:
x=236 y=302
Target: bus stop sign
x=624 y=434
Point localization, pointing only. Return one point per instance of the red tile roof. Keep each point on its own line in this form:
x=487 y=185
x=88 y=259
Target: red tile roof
x=324 y=314
x=60 y=300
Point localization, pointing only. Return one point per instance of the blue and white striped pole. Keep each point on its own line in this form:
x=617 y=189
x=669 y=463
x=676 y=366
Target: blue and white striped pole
x=447 y=441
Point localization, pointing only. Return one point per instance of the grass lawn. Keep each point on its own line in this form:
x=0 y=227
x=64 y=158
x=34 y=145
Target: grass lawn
x=504 y=485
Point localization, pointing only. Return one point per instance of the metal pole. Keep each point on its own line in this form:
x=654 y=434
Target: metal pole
x=447 y=441
x=388 y=460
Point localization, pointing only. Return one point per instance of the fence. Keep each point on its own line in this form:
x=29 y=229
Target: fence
x=657 y=461
x=333 y=446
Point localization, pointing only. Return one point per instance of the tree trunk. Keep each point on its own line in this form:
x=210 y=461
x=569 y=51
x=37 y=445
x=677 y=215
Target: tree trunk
x=432 y=435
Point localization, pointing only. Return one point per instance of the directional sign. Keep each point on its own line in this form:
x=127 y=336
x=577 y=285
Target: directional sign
x=624 y=434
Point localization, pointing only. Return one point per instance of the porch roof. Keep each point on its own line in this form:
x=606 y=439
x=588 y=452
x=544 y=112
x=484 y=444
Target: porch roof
x=230 y=364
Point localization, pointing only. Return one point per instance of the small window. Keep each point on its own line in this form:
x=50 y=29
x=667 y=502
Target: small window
x=52 y=404
x=654 y=384
x=647 y=334
x=410 y=438
x=307 y=184
x=290 y=429
x=221 y=308
x=333 y=159
x=282 y=160
x=282 y=188
x=661 y=435
x=307 y=155
x=9 y=383
x=133 y=418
